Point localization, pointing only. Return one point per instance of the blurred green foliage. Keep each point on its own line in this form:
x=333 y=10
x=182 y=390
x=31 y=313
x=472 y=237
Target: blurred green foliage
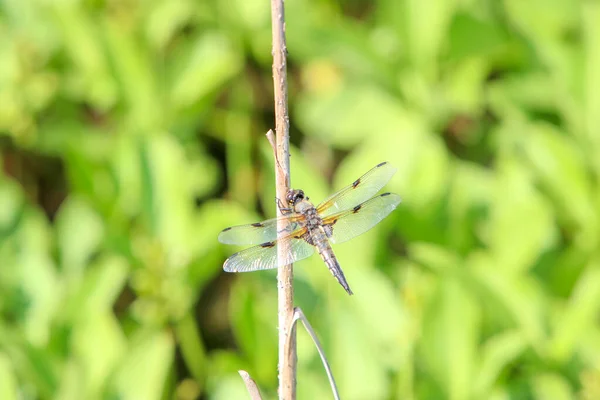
x=132 y=132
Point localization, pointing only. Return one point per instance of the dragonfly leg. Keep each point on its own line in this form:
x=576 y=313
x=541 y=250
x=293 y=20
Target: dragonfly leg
x=284 y=210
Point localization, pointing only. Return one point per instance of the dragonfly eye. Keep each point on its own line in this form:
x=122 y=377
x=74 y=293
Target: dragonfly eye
x=294 y=196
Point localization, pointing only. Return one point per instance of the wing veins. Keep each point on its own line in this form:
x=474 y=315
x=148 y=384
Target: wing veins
x=265 y=255
x=259 y=232
x=358 y=191
x=348 y=224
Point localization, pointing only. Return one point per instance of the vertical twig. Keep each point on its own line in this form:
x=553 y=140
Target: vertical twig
x=285 y=290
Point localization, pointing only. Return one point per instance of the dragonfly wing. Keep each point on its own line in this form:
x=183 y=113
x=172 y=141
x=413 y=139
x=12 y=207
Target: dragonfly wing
x=348 y=224
x=360 y=190
x=260 y=232
x=264 y=256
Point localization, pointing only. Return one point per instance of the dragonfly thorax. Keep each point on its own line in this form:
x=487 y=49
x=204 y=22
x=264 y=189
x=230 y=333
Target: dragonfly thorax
x=312 y=218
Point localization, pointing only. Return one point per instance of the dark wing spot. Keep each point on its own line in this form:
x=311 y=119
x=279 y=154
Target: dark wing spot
x=226 y=229
x=355 y=183
x=380 y=164
x=355 y=209
x=257 y=225
x=385 y=194
x=267 y=244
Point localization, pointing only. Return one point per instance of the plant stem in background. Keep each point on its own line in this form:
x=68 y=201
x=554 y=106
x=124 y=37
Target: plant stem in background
x=285 y=290
x=250 y=385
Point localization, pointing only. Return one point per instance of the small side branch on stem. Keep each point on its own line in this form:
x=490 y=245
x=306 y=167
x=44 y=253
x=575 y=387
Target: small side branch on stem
x=299 y=315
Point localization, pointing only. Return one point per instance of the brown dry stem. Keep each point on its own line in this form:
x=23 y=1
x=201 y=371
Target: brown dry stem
x=285 y=290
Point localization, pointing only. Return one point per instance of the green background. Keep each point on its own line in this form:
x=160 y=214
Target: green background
x=132 y=132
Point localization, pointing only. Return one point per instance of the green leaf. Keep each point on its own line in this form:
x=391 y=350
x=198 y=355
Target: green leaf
x=210 y=61
x=450 y=338
x=526 y=92
x=138 y=87
x=8 y=380
x=144 y=368
x=253 y=311
x=208 y=221
x=359 y=372
x=314 y=383
x=470 y=192
x=427 y=24
x=36 y=275
x=434 y=257
x=551 y=385
x=169 y=203
x=192 y=348
x=382 y=308
x=98 y=345
x=471 y=36
x=80 y=230
x=32 y=364
x=229 y=387
x=590 y=12
x=521 y=226
x=542 y=18
x=99 y=289
x=496 y=354
x=519 y=296
x=12 y=208
x=82 y=41
x=464 y=86
x=164 y=21
x=560 y=167
x=578 y=317
x=337 y=116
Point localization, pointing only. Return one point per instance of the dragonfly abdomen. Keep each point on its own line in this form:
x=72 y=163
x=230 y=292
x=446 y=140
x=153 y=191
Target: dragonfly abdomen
x=319 y=239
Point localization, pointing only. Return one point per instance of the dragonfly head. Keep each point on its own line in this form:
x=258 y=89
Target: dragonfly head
x=294 y=196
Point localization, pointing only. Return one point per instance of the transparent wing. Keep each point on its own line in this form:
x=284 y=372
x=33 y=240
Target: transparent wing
x=264 y=256
x=348 y=224
x=360 y=190
x=260 y=232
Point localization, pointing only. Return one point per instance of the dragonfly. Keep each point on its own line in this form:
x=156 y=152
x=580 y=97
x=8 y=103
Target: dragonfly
x=342 y=216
